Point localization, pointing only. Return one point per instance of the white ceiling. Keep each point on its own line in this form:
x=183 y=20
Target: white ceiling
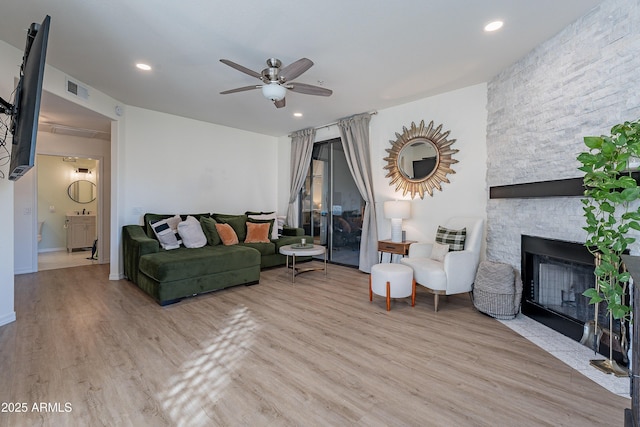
x=373 y=54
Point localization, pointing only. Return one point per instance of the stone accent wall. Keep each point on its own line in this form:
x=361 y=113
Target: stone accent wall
x=581 y=82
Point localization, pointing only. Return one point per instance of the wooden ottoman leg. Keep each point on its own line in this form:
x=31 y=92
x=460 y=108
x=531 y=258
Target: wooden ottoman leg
x=370 y=290
x=388 y=296
x=413 y=293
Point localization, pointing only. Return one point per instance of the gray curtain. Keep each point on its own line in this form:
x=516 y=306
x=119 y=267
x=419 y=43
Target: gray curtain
x=301 y=151
x=354 y=132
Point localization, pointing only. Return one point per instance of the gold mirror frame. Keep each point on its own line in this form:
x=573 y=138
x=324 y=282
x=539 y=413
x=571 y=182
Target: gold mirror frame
x=439 y=173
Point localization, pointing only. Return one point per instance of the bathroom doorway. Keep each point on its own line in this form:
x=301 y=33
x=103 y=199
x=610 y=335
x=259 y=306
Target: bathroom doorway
x=68 y=211
x=65 y=129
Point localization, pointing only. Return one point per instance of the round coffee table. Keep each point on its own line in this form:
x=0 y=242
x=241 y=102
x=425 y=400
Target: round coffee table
x=300 y=250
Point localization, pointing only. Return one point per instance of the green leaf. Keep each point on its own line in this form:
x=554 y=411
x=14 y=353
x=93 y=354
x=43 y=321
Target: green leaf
x=627 y=182
x=607 y=207
x=586 y=158
x=593 y=142
x=590 y=293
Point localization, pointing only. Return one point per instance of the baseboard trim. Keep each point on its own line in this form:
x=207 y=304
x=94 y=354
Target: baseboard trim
x=9 y=318
x=44 y=251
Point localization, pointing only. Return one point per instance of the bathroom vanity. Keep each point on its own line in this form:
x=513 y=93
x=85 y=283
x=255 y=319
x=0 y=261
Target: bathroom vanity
x=81 y=231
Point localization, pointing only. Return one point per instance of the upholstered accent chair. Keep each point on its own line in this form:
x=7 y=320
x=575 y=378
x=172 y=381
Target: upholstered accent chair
x=451 y=272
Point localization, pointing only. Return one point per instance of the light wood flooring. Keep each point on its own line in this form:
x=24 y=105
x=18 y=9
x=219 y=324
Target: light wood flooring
x=316 y=353
x=64 y=259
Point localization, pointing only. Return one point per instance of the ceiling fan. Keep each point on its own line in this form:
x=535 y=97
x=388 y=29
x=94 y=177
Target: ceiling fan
x=277 y=79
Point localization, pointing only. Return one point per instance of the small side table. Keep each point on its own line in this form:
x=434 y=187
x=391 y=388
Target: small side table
x=398 y=248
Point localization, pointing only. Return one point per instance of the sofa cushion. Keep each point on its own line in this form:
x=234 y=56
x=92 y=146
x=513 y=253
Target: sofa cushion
x=258 y=232
x=263 y=248
x=184 y=263
x=191 y=233
x=237 y=222
x=151 y=217
x=439 y=251
x=271 y=223
x=227 y=234
x=210 y=230
x=273 y=231
x=454 y=238
x=166 y=231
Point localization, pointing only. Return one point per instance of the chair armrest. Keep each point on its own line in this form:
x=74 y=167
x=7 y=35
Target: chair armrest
x=460 y=268
x=292 y=231
x=136 y=243
x=420 y=250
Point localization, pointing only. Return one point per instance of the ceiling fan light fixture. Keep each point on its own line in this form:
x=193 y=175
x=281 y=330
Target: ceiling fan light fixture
x=274 y=91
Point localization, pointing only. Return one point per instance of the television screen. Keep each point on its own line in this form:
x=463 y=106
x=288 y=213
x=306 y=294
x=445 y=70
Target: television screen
x=27 y=100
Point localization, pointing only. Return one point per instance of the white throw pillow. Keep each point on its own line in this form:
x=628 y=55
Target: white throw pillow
x=166 y=232
x=281 y=220
x=191 y=233
x=274 y=231
x=439 y=251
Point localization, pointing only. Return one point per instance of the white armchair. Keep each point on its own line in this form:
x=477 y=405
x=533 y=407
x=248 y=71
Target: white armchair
x=456 y=273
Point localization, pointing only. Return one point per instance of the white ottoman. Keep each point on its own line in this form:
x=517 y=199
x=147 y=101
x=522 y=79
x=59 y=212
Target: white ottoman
x=392 y=281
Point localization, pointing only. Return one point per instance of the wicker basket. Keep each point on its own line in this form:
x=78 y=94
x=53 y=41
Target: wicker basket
x=497 y=290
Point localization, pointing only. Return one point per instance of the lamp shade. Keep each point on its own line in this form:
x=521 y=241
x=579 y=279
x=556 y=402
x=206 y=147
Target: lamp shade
x=397 y=209
x=274 y=91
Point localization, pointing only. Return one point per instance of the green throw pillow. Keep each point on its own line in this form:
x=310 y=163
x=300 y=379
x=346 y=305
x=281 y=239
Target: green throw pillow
x=209 y=228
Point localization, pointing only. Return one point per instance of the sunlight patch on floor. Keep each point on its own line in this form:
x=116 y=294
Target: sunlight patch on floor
x=201 y=380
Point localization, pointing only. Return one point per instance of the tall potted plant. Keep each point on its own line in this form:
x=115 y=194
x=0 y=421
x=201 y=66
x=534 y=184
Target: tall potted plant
x=611 y=212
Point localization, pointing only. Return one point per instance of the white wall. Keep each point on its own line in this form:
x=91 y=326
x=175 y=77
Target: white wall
x=10 y=60
x=463 y=112
x=171 y=164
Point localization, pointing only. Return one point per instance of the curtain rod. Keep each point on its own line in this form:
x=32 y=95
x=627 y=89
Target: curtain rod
x=372 y=113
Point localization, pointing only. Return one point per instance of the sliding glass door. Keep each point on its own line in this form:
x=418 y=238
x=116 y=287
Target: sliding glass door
x=331 y=207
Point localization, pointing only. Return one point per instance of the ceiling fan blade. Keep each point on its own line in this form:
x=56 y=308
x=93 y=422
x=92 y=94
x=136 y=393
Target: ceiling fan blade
x=240 y=89
x=308 y=89
x=280 y=104
x=295 y=69
x=241 y=68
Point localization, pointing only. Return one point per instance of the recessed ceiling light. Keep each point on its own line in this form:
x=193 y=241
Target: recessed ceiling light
x=144 y=67
x=493 y=26
x=297 y=114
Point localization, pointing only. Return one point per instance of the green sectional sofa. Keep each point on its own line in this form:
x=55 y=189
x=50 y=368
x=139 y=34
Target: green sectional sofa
x=170 y=275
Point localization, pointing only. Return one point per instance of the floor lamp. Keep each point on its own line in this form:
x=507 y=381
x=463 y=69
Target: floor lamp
x=397 y=210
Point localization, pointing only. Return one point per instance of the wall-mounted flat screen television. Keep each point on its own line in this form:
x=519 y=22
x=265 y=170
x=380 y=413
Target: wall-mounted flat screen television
x=26 y=107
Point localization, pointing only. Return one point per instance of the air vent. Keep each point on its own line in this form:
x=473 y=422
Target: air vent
x=77 y=89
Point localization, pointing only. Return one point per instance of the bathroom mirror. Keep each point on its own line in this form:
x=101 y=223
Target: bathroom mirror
x=420 y=159
x=82 y=191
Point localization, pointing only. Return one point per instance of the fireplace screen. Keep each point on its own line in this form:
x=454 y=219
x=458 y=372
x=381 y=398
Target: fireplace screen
x=558 y=285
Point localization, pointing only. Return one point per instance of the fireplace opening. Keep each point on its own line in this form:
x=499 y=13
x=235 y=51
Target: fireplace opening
x=555 y=273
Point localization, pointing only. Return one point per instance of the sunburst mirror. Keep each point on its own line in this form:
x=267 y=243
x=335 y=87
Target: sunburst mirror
x=420 y=159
